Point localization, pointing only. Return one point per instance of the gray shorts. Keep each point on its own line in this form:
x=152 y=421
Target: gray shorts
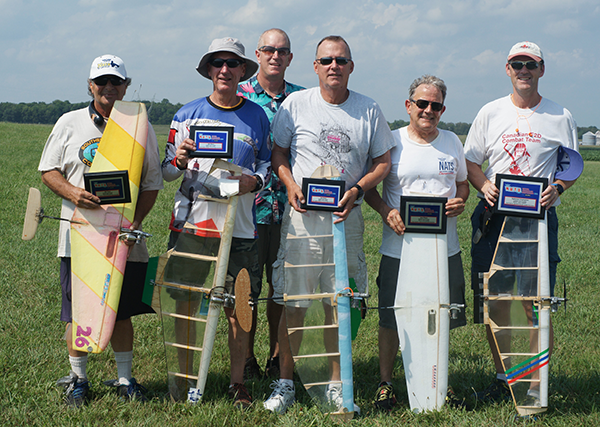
x=388 y=278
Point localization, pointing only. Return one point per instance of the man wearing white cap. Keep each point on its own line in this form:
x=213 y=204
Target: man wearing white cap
x=519 y=134
x=68 y=154
x=226 y=65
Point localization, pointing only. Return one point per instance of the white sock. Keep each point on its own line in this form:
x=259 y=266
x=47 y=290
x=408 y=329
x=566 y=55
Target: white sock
x=79 y=365
x=501 y=377
x=124 y=361
x=533 y=393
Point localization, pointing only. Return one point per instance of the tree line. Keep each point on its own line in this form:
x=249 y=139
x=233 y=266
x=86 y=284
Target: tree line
x=160 y=113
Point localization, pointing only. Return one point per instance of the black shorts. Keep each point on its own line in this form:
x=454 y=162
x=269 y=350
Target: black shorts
x=130 y=303
x=388 y=278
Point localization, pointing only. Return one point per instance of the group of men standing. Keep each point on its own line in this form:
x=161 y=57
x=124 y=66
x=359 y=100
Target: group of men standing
x=284 y=129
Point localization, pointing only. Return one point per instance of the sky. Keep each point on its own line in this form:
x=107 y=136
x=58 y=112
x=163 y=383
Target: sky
x=47 y=47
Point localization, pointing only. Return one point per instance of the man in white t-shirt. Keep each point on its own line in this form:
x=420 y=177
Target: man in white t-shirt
x=68 y=154
x=518 y=134
x=425 y=160
x=325 y=125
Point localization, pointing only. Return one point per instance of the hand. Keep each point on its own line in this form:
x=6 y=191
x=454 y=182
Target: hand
x=549 y=196
x=490 y=192
x=392 y=219
x=295 y=197
x=347 y=202
x=182 y=155
x=454 y=207
x=247 y=183
x=84 y=199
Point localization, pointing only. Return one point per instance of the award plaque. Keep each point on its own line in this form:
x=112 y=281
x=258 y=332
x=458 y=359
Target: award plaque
x=520 y=195
x=111 y=187
x=322 y=194
x=423 y=214
x=212 y=141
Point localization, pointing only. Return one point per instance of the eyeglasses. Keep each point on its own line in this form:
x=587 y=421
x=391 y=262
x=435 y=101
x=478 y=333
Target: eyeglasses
x=103 y=80
x=340 y=60
x=270 y=50
x=531 y=65
x=231 y=63
x=422 y=104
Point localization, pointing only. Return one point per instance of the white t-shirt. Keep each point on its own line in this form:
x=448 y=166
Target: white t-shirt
x=70 y=149
x=532 y=151
x=347 y=136
x=434 y=169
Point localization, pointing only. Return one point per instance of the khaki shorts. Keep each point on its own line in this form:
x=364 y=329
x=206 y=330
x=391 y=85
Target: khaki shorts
x=316 y=250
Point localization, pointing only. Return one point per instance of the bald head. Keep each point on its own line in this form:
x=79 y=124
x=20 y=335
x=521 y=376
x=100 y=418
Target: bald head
x=264 y=36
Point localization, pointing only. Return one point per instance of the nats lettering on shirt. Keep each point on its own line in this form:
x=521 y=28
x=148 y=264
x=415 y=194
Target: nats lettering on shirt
x=515 y=145
x=446 y=166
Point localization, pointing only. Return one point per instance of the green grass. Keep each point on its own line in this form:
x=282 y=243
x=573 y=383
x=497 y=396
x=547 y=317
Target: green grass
x=33 y=355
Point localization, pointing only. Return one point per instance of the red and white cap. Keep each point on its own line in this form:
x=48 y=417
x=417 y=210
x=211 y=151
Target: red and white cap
x=529 y=49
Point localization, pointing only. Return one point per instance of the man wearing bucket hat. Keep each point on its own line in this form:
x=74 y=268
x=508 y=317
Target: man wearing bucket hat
x=68 y=154
x=226 y=65
x=520 y=134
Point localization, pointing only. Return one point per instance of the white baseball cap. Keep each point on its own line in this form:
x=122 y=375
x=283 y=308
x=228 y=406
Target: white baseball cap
x=108 y=65
x=528 y=49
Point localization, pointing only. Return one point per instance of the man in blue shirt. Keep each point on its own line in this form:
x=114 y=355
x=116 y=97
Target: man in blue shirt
x=269 y=89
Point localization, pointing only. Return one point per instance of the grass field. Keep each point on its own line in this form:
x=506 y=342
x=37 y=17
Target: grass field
x=33 y=356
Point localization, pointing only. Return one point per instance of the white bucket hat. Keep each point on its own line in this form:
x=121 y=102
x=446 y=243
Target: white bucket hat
x=232 y=45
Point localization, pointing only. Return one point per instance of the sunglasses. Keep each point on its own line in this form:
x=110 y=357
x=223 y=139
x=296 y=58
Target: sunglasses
x=231 y=63
x=103 y=80
x=327 y=60
x=422 y=104
x=531 y=65
x=270 y=50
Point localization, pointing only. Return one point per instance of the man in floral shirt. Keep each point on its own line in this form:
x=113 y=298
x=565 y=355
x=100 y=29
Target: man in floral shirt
x=269 y=89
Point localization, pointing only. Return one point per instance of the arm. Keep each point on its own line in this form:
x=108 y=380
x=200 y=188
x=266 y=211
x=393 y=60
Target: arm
x=456 y=206
x=391 y=217
x=379 y=169
x=478 y=179
x=281 y=166
x=56 y=182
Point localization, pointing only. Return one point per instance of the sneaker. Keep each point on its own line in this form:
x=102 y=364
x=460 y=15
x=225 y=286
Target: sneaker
x=497 y=391
x=385 y=399
x=133 y=391
x=335 y=398
x=76 y=390
x=454 y=402
x=251 y=369
x=240 y=396
x=283 y=397
x=272 y=368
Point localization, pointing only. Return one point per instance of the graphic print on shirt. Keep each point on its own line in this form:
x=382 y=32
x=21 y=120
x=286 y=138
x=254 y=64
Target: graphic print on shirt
x=87 y=151
x=334 y=144
x=446 y=166
x=515 y=144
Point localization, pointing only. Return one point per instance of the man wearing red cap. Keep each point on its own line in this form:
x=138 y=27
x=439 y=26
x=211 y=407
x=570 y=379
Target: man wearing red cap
x=518 y=134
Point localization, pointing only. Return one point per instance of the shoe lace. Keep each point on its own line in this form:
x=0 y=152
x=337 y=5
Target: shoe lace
x=280 y=389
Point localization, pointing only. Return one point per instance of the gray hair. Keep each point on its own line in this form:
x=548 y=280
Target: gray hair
x=335 y=39
x=274 y=30
x=127 y=83
x=428 y=80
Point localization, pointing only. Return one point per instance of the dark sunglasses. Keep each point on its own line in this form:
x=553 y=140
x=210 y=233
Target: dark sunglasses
x=103 y=80
x=340 y=60
x=531 y=65
x=231 y=63
x=270 y=50
x=422 y=104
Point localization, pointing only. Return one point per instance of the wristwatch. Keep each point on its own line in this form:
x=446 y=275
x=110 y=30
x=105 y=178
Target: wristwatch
x=259 y=183
x=559 y=188
x=361 y=192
